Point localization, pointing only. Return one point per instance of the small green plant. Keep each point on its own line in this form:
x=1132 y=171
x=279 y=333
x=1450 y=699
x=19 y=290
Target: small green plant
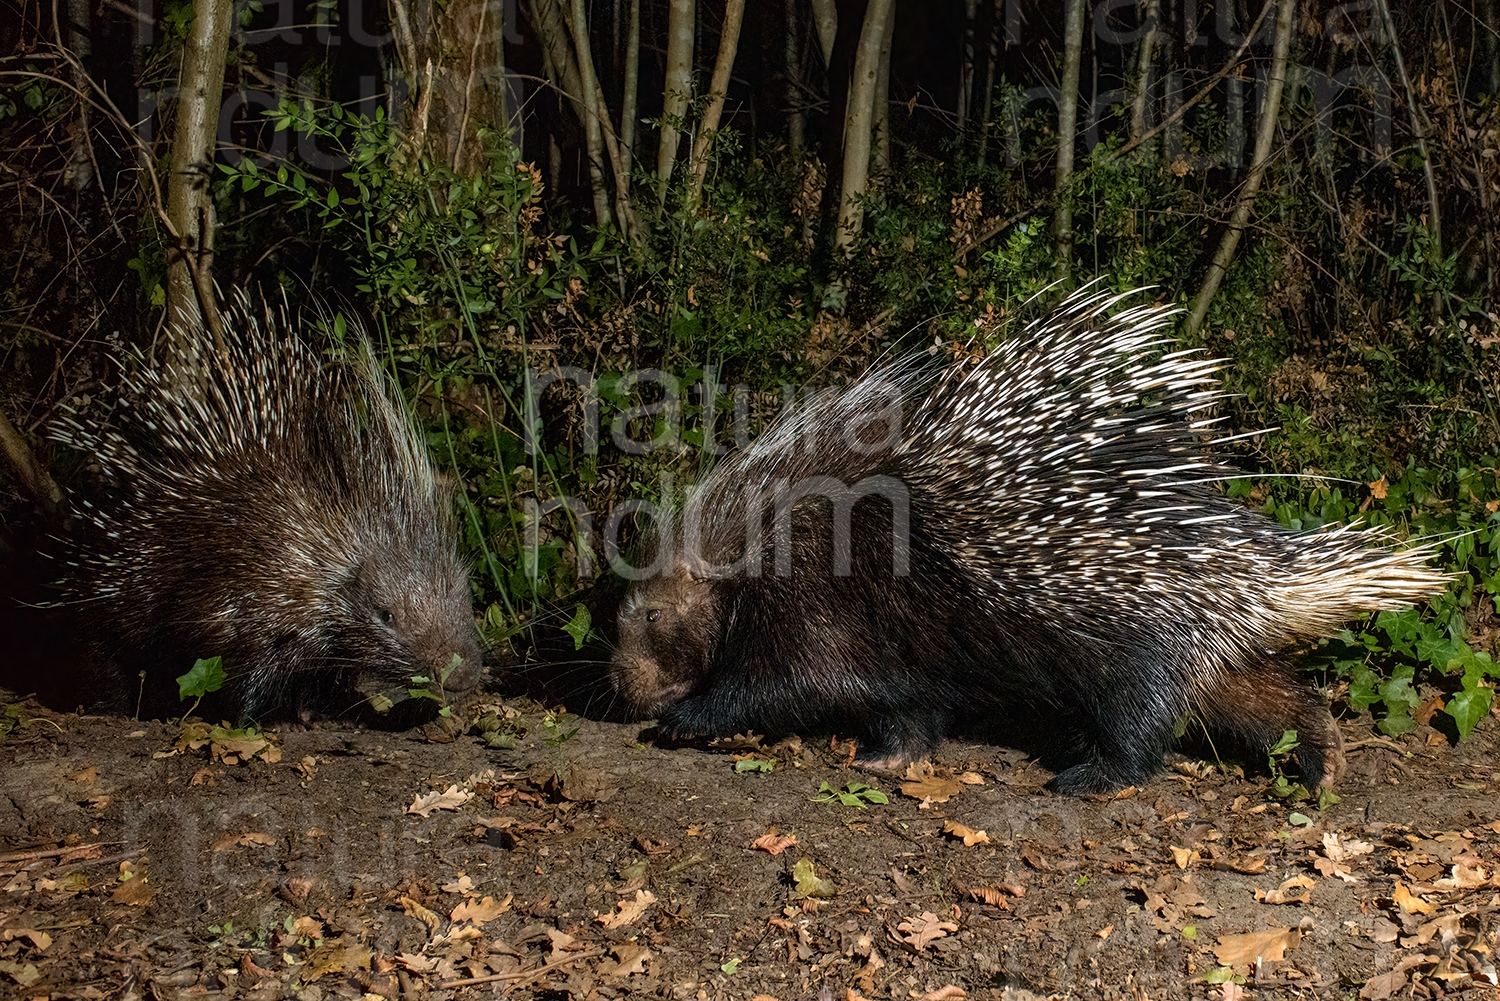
x=855 y=794
x=761 y=765
x=558 y=734
x=419 y=688
x=206 y=677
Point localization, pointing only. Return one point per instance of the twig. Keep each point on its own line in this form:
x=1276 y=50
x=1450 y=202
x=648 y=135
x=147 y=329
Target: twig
x=521 y=976
x=42 y=853
x=1375 y=742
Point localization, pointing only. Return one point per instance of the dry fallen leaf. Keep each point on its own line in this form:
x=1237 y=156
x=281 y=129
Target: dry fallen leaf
x=995 y=893
x=481 y=911
x=423 y=914
x=308 y=927
x=628 y=911
x=461 y=884
x=919 y=932
x=1330 y=869
x=1184 y=857
x=450 y=798
x=1293 y=891
x=133 y=889
x=934 y=785
x=1256 y=947
x=773 y=842
x=948 y=993
x=970 y=836
x=417 y=963
x=629 y=958
x=336 y=959
x=1382 y=986
x=1344 y=850
x=562 y=945
x=1409 y=902
x=40 y=940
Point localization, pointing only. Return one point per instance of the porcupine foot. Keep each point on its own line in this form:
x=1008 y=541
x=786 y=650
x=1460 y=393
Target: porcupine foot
x=893 y=742
x=1255 y=707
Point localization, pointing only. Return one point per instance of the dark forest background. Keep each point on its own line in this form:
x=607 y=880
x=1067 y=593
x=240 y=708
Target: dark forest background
x=652 y=202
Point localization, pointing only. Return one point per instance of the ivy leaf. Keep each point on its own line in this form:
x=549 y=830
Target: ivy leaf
x=578 y=626
x=1469 y=707
x=206 y=676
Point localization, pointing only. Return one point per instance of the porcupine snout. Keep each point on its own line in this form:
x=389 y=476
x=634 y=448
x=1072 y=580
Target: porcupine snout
x=668 y=625
x=410 y=619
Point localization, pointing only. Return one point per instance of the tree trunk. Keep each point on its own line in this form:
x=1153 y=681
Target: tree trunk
x=826 y=18
x=190 y=208
x=966 y=64
x=882 y=122
x=32 y=475
x=861 y=117
x=453 y=57
x=796 y=121
x=593 y=111
x=1140 y=99
x=718 y=87
x=678 y=89
x=550 y=23
x=80 y=171
x=1265 y=133
x=1488 y=25
x=991 y=68
x=1414 y=112
x=462 y=159
x=1067 y=135
x=632 y=85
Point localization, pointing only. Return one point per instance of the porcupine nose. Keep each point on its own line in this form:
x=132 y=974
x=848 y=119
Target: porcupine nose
x=466 y=672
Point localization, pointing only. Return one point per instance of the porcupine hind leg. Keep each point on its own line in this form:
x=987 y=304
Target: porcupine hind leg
x=1121 y=725
x=1249 y=709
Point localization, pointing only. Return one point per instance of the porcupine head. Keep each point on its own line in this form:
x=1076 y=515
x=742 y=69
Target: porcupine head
x=273 y=506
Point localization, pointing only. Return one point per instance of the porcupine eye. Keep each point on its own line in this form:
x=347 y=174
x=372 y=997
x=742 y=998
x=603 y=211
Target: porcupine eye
x=653 y=615
x=385 y=617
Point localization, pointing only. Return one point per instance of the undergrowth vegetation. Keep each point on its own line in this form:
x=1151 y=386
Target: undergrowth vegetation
x=563 y=369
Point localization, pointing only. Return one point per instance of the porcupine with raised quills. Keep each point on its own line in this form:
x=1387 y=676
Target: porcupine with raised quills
x=271 y=505
x=1033 y=542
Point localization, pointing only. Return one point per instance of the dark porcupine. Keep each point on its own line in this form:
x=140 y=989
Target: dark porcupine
x=1032 y=545
x=271 y=505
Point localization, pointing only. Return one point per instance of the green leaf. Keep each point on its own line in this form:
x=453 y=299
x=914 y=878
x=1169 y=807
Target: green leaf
x=1395 y=724
x=578 y=626
x=207 y=675
x=1468 y=707
x=1285 y=745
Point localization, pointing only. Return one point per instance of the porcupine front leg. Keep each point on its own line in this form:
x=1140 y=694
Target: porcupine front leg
x=890 y=741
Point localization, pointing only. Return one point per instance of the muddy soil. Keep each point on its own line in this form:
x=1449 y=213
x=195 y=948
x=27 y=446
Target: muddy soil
x=585 y=863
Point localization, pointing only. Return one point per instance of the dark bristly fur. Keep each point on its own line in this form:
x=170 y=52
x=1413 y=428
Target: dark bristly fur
x=1072 y=568
x=274 y=507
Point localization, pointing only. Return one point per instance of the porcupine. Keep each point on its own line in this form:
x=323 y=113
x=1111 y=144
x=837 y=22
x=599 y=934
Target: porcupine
x=1032 y=542
x=272 y=505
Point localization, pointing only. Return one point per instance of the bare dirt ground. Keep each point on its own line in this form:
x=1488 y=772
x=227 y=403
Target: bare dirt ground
x=587 y=864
